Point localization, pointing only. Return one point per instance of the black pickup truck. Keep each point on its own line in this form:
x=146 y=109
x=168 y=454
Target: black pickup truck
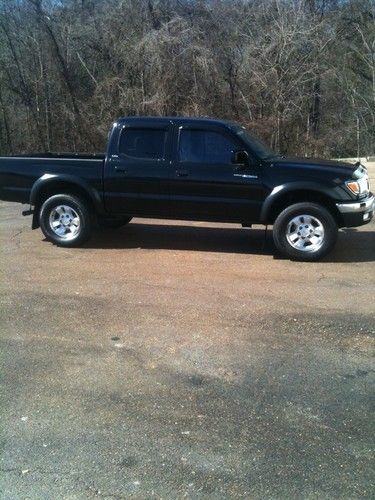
x=193 y=169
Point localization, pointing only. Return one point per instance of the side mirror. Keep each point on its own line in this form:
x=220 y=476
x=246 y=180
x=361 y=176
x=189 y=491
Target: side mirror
x=240 y=158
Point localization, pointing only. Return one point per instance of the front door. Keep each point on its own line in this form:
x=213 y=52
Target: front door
x=205 y=184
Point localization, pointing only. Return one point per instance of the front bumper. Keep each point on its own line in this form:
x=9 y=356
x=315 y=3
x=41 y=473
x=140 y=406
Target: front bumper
x=357 y=213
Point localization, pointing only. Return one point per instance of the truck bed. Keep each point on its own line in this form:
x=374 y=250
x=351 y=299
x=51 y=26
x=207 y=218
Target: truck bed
x=19 y=173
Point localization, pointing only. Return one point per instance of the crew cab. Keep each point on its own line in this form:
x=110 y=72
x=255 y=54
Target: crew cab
x=191 y=169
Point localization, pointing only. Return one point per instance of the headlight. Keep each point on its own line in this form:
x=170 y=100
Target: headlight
x=361 y=186
x=353 y=186
x=360 y=171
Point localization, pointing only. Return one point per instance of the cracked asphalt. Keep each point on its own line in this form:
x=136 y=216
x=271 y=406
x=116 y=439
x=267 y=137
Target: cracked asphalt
x=185 y=360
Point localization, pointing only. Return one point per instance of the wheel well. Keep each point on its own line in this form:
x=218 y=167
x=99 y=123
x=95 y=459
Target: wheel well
x=60 y=187
x=301 y=196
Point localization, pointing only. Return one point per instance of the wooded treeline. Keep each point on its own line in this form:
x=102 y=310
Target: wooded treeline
x=298 y=73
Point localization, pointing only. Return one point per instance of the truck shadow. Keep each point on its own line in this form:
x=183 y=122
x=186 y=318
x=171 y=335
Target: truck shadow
x=352 y=246
x=184 y=237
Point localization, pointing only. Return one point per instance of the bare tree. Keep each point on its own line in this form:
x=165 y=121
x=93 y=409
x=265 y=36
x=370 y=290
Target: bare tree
x=299 y=73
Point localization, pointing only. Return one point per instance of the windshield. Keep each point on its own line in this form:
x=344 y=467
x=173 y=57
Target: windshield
x=257 y=146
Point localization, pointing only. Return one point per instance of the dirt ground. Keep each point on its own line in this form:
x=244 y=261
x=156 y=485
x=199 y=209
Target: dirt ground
x=185 y=360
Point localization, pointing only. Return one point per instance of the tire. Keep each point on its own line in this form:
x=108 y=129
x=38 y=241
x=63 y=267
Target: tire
x=66 y=220
x=104 y=223
x=305 y=231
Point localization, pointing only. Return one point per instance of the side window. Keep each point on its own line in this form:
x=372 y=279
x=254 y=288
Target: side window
x=205 y=146
x=143 y=143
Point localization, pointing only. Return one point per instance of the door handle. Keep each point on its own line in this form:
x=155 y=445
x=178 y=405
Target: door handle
x=182 y=173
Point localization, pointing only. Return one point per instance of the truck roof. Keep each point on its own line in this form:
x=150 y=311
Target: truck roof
x=178 y=120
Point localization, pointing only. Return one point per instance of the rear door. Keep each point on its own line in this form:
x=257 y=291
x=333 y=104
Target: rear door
x=205 y=184
x=136 y=175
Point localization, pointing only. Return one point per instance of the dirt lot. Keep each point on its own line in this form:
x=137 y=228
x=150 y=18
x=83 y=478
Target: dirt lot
x=176 y=360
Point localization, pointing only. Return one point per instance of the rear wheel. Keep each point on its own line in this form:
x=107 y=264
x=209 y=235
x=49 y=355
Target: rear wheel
x=66 y=220
x=305 y=231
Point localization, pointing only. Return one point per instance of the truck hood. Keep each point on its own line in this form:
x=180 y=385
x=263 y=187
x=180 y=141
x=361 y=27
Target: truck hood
x=317 y=165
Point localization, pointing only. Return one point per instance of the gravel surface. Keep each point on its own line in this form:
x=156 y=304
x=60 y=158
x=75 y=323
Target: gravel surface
x=177 y=360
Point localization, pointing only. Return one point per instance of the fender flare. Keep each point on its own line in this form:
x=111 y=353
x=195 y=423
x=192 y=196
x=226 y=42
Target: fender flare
x=279 y=191
x=54 y=179
x=49 y=179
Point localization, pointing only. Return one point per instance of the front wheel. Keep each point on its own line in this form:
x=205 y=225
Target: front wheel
x=66 y=220
x=305 y=231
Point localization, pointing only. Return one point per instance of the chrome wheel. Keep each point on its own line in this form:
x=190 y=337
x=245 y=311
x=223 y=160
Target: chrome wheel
x=305 y=233
x=64 y=222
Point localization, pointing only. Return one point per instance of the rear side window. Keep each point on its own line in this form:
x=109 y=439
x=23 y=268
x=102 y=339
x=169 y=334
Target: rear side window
x=205 y=146
x=143 y=143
